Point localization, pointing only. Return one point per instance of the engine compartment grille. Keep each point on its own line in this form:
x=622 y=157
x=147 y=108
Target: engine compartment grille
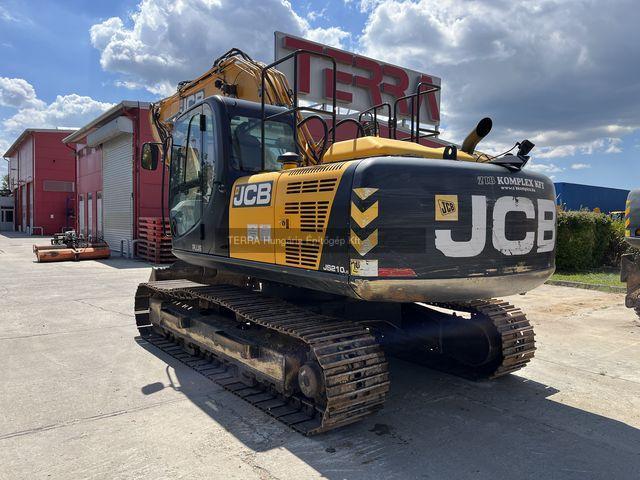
x=312 y=186
x=313 y=215
x=302 y=253
x=315 y=169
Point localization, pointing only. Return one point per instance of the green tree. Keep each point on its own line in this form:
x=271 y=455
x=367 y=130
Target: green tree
x=4 y=186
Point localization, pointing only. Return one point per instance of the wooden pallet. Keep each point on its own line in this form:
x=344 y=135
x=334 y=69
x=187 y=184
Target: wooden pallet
x=152 y=229
x=154 y=246
x=152 y=221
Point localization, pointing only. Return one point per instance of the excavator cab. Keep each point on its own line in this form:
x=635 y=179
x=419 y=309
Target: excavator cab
x=212 y=145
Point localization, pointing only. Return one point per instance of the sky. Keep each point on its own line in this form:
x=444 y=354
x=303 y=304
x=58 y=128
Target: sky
x=563 y=73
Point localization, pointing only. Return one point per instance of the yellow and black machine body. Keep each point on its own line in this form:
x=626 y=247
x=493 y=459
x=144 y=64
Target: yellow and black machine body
x=297 y=278
x=630 y=265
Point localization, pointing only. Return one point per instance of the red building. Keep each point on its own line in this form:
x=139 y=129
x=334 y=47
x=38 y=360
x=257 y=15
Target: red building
x=42 y=179
x=113 y=191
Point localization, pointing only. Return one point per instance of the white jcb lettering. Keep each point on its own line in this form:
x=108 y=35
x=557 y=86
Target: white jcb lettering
x=237 y=196
x=544 y=238
x=250 y=194
x=501 y=243
x=473 y=246
x=546 y=224
x=264 y=194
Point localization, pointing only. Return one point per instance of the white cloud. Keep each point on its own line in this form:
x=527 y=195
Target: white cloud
x=580 y=166
x=545 y=168
x=65 y=111
x=604 y=145
x=563 y=80
x=4 y=146
x=332 y=36
x=18 y=93
x=162 y=89
x=6 y=16
x=103 y=33
x=165 y=41
x=366 y=5
x=313 y=15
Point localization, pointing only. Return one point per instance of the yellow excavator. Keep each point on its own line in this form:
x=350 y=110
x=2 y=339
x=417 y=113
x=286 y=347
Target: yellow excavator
x=304 y=262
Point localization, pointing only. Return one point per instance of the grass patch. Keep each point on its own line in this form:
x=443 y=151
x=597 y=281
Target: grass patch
x=600 y=277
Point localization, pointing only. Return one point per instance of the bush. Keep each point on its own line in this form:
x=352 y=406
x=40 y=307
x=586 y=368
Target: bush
x=618 y=246
x=603 y=236
x=576 y=240
x=588 y=240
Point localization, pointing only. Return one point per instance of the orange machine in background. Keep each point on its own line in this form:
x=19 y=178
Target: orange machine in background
x=68 y=246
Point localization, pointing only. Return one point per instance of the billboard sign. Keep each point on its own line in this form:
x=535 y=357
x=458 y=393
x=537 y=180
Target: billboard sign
x=361 y=82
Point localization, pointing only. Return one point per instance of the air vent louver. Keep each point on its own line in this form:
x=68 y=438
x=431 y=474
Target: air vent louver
x=302 y=253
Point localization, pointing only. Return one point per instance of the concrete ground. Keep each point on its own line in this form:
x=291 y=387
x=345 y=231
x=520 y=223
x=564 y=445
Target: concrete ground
x=81 y=397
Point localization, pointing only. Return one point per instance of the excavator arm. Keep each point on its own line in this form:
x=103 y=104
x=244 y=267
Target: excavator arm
x=234 y=74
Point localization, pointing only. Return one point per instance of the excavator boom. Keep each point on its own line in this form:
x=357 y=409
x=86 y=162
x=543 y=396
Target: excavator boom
x=234 y=74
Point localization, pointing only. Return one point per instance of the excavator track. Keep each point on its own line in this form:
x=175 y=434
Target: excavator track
x=515 y=334
x=354 y=369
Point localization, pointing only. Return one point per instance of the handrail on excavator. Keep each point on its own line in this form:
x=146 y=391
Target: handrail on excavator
x=295 y=108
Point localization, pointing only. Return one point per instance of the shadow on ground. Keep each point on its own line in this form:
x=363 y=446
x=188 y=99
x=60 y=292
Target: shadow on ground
x=116 y=261
x=437 y=426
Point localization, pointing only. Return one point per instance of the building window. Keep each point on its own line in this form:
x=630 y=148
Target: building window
x=6 y=215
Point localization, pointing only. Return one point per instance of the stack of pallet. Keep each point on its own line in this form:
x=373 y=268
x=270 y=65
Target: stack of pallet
x=153 y=246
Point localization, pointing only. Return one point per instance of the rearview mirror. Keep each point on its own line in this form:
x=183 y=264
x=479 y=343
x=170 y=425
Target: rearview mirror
x=150 y=156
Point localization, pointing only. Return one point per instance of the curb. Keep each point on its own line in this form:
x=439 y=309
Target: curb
x=587 y=286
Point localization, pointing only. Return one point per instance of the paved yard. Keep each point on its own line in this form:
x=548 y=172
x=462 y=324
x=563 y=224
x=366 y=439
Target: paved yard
x=82 y=397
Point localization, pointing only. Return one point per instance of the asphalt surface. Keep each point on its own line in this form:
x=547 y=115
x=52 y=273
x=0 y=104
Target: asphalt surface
x=82 y=397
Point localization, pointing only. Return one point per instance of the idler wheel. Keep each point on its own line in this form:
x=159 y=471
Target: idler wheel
x=309 y=380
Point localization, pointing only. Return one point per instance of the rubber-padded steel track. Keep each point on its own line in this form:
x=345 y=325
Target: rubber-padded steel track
x=353 y=366
x=515 y=331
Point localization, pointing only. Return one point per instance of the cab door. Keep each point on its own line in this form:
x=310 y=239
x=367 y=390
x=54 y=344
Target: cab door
x=215 y=191
x=186 y=182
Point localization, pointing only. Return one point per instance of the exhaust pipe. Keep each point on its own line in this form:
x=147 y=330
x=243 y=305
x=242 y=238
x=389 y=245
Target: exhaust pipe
x=482 y=130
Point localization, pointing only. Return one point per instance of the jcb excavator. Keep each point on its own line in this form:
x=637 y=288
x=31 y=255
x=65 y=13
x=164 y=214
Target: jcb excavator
x=630 y=266
x=303 y=261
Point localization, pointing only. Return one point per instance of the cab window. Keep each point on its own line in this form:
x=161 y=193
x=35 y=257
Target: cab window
x=246 y=152
x=208 y=155
x=185 y=192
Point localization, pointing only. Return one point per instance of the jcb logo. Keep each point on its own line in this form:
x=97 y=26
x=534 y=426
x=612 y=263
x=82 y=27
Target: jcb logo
x=543 y=238
x=447 y=208
x=252 y=195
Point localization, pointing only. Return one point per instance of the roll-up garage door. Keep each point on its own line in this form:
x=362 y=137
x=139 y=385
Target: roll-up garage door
x=117 y=191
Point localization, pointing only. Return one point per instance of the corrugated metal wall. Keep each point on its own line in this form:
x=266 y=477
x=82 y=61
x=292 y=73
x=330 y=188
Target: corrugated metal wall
x=574 y=196
x=117 y=171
